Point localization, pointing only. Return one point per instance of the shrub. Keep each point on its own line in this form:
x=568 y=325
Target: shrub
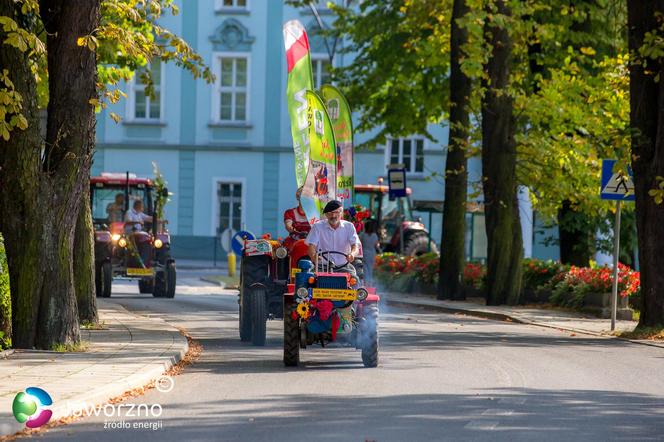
x=570 y=288
x=537 y=272
x=5 y=300
x=473 y=275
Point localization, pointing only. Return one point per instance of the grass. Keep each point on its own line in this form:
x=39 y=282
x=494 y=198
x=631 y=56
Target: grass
x=87 y=325
x=647 y=333
x=79 y=347
x=229 y=282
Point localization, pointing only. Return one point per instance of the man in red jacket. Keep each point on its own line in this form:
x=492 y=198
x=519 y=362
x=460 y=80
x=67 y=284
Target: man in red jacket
x=296 y=223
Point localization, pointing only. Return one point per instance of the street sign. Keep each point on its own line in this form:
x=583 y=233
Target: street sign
x=396 y=178
x=237 y=242
x=226 y=238
x=615 y=186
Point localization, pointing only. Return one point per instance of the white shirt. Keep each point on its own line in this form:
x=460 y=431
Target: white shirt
x=341 y=239
x=134 y=216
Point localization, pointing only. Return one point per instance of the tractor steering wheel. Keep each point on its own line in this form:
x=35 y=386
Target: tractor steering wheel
x=326 y=256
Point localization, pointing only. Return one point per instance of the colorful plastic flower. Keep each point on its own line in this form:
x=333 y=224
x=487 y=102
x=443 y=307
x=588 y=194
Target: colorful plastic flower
x=303 y=310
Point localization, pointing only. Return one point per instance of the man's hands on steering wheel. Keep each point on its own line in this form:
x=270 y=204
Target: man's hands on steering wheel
x=326 y=255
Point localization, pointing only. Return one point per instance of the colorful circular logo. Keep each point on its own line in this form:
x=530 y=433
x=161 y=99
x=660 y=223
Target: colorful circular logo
x=29 y=406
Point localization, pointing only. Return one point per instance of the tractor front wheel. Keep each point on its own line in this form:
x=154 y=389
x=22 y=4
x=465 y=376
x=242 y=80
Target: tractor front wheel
x=369 y=336
x=103 y=279
x=146 y=285
x=171 y=277
x=291 y=336
x=258 y=316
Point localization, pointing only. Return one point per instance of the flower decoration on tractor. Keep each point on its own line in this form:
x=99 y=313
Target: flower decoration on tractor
x=357 y=214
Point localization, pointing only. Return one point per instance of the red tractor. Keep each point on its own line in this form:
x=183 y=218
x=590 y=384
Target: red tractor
x=398 y=231
x=323 y=305
x=130 y=250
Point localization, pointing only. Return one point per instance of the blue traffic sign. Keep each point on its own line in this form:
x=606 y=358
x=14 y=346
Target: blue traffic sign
x=614 y=185
x=237 y=242
x=396 y=179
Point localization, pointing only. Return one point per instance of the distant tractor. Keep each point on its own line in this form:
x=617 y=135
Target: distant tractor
x=123 y=249
x=395 y=221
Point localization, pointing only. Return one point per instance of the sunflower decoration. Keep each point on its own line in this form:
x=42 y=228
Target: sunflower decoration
x=303 y=310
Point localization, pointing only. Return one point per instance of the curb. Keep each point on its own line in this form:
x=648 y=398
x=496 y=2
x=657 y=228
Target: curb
x=103 y=394
x=505 y=317
x=222 y=284
x=444 y=309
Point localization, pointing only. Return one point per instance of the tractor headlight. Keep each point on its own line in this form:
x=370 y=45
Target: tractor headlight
x=158 y=243
x=302 y=292
x=281 y=252
x=115 y=237
x=122 y=242
x=362 y=294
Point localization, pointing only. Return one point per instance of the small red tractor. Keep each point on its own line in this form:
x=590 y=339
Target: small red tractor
x=324 y=305
x=399 y=232
x=129 y=250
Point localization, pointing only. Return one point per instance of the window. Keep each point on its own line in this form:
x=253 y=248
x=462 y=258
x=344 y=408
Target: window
x=321 y=69
x=229 y=195
x=231 y=97
x=232 y=4
x=407 y=151
x=141 y=105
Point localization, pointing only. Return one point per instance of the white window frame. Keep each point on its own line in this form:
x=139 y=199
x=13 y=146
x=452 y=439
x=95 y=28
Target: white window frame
x=216 y=181
x=218 y=89
x=132 y=88
x=317 y=68
x=219 y=6
x=410 y=168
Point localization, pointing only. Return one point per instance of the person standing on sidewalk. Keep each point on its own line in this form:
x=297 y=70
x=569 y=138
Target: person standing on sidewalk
x=370 y=246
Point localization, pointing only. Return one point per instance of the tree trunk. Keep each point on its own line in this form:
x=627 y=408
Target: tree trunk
x=456 y=174
x=84 y=264
x=21 y=208
x=503 y=227
x=41 y=211
x=70 y=140
x=647 y=122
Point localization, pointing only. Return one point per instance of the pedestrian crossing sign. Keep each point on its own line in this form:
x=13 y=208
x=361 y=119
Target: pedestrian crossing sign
x=616 y=186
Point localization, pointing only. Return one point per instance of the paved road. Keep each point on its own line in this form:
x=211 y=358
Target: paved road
x=441 y=377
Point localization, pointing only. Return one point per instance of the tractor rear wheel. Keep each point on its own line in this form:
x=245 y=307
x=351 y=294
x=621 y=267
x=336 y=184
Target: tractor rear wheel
x=291 y=336
x=258 y=315
x=245 y=316
x=369 y=336
x=171 y=278
x=418 y=245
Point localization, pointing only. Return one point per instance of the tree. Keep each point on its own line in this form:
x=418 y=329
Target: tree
x=452 y=254
x=646 y=33
x=50 y=181
x=503 y=227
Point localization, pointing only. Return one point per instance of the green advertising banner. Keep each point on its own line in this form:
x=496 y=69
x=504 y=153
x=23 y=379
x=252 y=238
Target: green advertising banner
x=320 y=185
x=300 y=79
x=340 y=115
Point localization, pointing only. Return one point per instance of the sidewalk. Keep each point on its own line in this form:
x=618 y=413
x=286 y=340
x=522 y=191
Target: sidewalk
x=129 y=352
x=570 y=321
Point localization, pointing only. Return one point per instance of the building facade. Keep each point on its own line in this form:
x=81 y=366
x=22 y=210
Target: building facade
x=226 y=149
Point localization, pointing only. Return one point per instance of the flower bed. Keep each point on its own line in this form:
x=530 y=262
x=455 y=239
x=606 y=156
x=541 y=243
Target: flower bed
x=588 y=287
x=585 y=288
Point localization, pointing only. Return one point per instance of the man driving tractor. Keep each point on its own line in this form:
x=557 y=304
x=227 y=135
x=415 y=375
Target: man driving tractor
x=137 y=217
x=334 y=235
x=296 y=223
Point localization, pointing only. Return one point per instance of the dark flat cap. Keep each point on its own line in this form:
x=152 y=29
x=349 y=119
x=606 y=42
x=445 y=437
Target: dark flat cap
x=332 y=205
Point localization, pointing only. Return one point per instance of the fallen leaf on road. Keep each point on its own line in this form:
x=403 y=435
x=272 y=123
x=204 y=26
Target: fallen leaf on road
x=573 y=334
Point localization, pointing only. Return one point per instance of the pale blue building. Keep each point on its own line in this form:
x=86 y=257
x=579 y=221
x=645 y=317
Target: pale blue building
x=225 y=149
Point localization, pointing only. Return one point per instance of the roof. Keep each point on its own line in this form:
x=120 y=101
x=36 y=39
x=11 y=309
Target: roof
x=119 y=179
